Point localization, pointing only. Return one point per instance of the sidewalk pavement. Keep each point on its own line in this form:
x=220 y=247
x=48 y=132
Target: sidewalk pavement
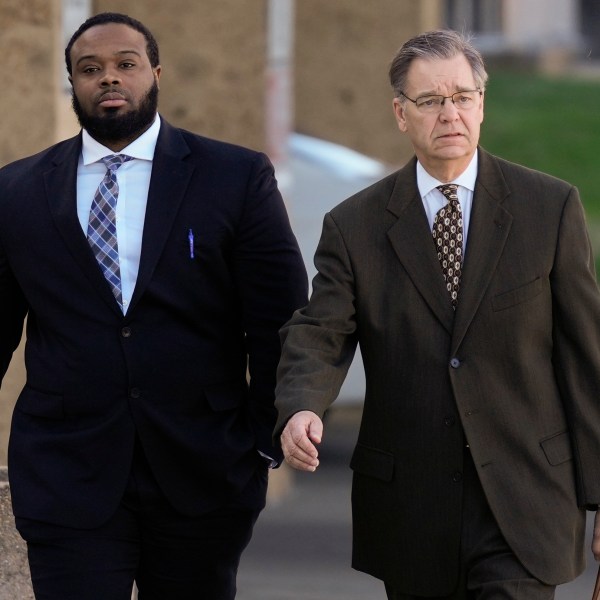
x=302 y=541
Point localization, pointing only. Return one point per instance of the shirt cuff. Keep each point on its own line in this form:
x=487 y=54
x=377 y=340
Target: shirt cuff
x=271 y=462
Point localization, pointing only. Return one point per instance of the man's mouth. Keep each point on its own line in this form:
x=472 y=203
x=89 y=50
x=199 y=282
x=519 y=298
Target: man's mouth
x=112 y=100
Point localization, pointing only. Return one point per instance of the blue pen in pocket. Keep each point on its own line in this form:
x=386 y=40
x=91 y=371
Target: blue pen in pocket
x=191 y=241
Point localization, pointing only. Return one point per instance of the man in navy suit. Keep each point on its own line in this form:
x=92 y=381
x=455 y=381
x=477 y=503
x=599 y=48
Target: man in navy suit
x=141 y=442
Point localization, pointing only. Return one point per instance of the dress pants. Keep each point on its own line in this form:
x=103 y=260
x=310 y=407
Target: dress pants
x=169 y=555
x=488 y=568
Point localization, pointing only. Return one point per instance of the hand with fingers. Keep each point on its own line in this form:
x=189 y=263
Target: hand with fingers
x=299 y=438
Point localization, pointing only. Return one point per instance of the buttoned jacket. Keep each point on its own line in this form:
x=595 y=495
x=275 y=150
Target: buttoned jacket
x=514 y=372
x=173 y=370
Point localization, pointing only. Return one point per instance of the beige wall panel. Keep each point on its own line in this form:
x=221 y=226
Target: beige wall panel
x=28 y=35
x=213 y=55
x=29 y=31
x=343 y=52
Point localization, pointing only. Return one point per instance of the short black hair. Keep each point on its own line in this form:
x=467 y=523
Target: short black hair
x=110 y=17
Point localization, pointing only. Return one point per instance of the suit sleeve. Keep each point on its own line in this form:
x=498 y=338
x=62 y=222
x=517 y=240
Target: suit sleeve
x=272 y=280
x=320 y=341
x=576 y=337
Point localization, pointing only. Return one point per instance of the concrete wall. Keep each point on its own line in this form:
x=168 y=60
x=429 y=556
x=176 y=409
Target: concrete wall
x=29 y=45
x=29 y=50
x=343 y=53
x=14 y=570
x=213 y=54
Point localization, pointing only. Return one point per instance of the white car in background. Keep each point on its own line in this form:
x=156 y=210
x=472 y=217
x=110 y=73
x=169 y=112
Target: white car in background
x=321 y=175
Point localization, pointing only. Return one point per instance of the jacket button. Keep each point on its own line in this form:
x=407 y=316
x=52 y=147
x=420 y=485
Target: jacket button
x=126 y=332
x=449 y=421
x=457 y=476
x=135 y=393
x=454 y=363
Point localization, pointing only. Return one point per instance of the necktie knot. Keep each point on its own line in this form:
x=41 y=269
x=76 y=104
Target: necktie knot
x=450 y=191
x=113 y=161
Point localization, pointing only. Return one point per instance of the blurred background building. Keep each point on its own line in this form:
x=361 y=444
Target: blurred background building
x=276 y=75
x=303 y=80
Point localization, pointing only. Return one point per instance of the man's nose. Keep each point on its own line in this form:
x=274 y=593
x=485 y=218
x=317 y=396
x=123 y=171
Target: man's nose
x=448 y=109
x=110 y=77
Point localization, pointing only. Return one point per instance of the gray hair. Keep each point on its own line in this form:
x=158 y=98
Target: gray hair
x=443 y=43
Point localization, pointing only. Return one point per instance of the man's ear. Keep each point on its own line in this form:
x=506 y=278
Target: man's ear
x=400 y=114
x=157 y=71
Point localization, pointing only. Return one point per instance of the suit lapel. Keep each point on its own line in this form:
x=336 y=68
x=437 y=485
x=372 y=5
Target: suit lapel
x=168 y=183
x=413 y=244
x=411 y=239
x=61 y=193
x=488 y=230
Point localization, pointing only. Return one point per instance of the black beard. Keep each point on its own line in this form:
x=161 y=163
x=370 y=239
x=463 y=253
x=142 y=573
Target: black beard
x=113 y=127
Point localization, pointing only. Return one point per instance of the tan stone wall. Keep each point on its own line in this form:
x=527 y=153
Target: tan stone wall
x=343 y=52
x=28 y=46
x=213 y=55
x=14 y=570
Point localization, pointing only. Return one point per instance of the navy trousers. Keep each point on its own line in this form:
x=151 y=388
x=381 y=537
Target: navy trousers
x=167 y=554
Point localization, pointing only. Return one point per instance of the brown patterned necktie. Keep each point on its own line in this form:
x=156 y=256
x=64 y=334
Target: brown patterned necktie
x=448 y=237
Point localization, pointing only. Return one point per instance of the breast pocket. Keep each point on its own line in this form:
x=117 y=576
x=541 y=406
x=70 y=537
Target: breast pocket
x=518 y=295
x=557 y=448
x=201 y=244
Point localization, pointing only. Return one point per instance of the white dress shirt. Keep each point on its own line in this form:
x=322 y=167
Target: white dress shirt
x=433 y=199
x=134 y=182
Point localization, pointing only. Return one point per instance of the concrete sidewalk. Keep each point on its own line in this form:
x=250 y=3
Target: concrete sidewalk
x=301 y=546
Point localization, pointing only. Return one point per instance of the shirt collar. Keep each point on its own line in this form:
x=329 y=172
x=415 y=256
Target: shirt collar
x=142 y=147
x=466 y=179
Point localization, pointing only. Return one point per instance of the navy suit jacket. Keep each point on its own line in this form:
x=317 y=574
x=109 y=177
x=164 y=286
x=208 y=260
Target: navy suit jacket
x=173 y=370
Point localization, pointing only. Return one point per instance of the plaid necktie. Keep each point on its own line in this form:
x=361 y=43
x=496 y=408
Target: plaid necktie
x=102 y=228
x=448 y=236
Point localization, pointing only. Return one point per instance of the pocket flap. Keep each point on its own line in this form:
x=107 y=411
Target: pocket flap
x=226 y=396
x=41 y=404
x=372 y=462
x=557 y=448
x=518 y=295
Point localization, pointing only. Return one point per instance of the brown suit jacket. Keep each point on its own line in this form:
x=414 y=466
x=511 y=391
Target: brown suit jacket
x=516 y=370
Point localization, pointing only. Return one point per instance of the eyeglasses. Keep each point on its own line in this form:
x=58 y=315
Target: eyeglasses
x=433 y=104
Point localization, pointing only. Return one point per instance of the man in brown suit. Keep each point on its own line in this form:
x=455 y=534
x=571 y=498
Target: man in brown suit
x=479 y=448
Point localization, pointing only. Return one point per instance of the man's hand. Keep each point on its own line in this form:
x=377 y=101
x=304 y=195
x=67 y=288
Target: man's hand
x=298 y=440
x=596 y=538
